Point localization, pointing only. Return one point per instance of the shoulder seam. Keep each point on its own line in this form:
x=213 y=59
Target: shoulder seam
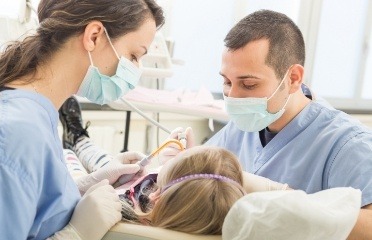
x=331 y=164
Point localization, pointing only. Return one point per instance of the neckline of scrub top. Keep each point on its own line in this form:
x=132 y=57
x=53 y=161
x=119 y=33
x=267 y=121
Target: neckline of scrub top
x=265 y=135
x=298 y=124
x=3 y=88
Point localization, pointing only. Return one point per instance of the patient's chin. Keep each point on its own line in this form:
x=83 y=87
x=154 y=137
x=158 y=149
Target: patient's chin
x=145 y=221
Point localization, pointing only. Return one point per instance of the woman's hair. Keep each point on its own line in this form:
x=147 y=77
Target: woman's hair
x=198 y=205
x=61 y=20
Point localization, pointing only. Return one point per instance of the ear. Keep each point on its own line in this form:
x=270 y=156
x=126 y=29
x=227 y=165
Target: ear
x=296 y=75
x=93 y=34
x=154 y=197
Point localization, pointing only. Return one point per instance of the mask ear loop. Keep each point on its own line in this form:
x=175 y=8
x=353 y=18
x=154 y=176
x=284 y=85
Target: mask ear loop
x=116 y=53
x=90 y=59
x=285 y=104
x=277 y=89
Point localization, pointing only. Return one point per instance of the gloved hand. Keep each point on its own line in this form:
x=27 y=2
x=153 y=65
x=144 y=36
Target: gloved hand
x=255 y=183
x=97 y=211
x=129 y=157
x=173 y=149
x=120 y=165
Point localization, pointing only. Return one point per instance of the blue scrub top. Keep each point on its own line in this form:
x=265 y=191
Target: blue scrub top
x=320 y=148
x=37 y=194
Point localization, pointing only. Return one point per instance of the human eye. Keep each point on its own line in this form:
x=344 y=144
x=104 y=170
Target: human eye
x=226 y=82
x=250 y=86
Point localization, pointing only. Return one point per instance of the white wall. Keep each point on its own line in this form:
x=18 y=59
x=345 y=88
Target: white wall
x=338 y=36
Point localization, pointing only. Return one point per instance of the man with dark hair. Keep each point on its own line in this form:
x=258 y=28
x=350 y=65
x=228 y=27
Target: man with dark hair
x=278 y=128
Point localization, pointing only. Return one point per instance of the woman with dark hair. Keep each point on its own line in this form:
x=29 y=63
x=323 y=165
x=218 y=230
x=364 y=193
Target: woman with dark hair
x=90 y=48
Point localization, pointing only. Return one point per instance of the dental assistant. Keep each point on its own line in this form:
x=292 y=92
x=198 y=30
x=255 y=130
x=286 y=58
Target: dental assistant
x=85 y=47
x=278 y=128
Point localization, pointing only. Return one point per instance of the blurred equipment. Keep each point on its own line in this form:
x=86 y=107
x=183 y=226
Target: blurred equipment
x=16 y=20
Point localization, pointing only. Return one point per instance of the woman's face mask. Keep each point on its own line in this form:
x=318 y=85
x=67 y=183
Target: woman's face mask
x=250 y=114
x=102 y=89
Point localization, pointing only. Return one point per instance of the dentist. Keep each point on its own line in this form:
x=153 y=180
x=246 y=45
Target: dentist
x=88 y=47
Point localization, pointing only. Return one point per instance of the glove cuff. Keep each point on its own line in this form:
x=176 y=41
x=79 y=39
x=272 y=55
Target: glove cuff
x=68 y=232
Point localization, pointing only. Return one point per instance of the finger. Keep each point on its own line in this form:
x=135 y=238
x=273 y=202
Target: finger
x=118 y=216
x=127 y=169
x=170 y=152
x=190 y=137
x=129 y=157
x=174 y=133
x=171 y=145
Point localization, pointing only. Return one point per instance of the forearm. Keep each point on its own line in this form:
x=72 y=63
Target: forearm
x=255 y=183
x=363 y=227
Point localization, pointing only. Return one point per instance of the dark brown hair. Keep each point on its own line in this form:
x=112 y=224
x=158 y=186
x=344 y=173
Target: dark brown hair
x=61 y=20
x=287 y=45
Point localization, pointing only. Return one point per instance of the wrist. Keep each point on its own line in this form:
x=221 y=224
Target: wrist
x=74 y=232
x=68 y=232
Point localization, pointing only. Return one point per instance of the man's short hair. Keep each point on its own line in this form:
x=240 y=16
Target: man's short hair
x=286 y=43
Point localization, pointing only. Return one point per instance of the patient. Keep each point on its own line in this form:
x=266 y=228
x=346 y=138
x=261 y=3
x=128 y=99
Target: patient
x=192 y=193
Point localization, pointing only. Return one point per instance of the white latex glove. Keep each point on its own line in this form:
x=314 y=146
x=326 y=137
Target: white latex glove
x=255 y=183
x=129 y=157
x=97 y=211
x=120 y=165
x=173 y=149
x=68 y=232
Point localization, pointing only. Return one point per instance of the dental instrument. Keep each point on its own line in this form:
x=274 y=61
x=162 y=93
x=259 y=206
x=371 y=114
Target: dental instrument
x=145 y=116
x=146 y=160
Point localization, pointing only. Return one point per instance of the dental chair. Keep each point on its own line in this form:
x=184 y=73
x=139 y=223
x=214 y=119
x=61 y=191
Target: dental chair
x=278 y=215
x=129 y=231
x=292 y=215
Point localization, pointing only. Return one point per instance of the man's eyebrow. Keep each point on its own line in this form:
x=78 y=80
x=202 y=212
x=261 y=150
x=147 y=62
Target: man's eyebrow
x=247 y=76
x=242 y=77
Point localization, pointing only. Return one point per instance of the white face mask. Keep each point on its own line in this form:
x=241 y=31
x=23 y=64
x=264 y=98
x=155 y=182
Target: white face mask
x=250 y=114
x=102 y=89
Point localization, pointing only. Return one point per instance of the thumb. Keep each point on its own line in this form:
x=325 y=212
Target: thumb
x=127 y=169
x=129 y=157
x=174 y=133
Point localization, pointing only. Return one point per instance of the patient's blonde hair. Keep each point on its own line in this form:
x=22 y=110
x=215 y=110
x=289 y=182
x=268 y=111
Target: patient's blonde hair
x=198 y=205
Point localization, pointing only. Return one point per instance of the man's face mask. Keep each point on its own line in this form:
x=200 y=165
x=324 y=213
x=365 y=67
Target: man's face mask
x=102 y=89
x=250 y=114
